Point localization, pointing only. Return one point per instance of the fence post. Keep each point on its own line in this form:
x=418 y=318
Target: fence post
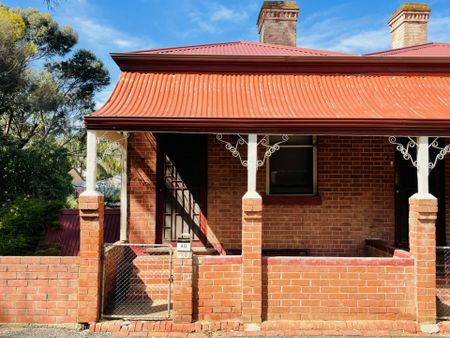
x=91 y=245
x=422 y=243
x=252 y=260
x=182 y=295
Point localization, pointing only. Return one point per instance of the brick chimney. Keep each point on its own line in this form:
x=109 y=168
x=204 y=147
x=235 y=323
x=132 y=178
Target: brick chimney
x=277 y=22
x=409 y=25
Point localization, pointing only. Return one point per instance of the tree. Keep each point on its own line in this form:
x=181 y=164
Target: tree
x=35 y=184
x=37 y=104
x=45 y=89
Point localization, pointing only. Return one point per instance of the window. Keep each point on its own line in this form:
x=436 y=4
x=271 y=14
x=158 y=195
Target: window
x=292 y=170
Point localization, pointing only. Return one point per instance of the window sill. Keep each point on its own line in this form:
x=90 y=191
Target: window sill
x=291 y=200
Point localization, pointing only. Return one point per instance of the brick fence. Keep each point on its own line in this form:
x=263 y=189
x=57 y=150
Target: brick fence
x=307 y=288
x=41 y=290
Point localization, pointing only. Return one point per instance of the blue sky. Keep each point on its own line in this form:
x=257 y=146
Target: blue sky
x=105 y=26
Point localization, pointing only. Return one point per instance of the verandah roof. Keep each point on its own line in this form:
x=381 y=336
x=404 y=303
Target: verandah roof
x=340 y=95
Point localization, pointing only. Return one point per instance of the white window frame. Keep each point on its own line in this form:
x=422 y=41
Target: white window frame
x=314 y=147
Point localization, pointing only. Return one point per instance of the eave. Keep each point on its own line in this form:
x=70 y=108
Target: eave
x=374 y=127
x=281 y=64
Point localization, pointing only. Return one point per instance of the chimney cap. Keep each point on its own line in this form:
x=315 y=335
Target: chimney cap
x=279 y=5
x=410 y=7
x=271 y=7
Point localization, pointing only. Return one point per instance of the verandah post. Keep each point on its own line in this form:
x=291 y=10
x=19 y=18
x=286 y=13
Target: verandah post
x=252 y=241
x=91 y=240
x=422 y=239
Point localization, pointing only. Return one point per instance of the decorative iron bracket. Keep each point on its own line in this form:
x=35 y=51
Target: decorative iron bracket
x=440 y=156
x=413 y=144
x=234 y=149
x=270 y=149
x=404 y=150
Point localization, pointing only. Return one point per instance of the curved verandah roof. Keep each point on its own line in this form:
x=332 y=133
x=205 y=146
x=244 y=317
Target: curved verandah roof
x=339 y=95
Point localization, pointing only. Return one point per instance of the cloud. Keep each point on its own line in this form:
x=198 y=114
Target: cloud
x=106 y=36
x=439 y=29
x=223 y=13
x=363 y=42
x=215 y=18
x=333 y=32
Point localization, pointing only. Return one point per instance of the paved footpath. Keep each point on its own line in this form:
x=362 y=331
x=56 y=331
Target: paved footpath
x=46 y=332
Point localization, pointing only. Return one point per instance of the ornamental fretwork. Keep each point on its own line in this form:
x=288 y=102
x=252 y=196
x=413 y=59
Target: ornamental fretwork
x=405 y=150
x=264 y=141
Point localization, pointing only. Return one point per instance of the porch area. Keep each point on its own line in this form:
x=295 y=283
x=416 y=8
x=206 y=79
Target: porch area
x=298 y=179
x=259 y=260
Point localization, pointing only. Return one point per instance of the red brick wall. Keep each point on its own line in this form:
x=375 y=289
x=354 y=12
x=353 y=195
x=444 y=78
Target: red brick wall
x=356 y=186
x=306 y=288
x=217 y=287
x=39 y=289
x=141 y=188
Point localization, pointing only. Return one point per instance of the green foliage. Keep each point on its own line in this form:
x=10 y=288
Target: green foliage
x=71 y=202
x=23 y=222
x=13 y=26
x=34 y=182
x=45 y=90
x=45 y=33
x=36 y=104
x=40 y=171
x=48 y=249
x=108 y=160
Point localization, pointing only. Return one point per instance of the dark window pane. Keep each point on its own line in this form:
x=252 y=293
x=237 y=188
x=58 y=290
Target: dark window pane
x=291 y=171
x=293 y=140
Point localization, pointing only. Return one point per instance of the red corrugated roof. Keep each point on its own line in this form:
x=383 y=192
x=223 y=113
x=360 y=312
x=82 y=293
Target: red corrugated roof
x=278 y=96
x=427 y=49
x=240 y=48
x=68 y=236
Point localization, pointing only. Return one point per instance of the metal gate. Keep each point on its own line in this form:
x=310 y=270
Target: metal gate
x=443 y=282
x=137 y=281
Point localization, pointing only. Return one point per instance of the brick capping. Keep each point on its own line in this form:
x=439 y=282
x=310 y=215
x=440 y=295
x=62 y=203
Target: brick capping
x=338 y=261
x=222 y=260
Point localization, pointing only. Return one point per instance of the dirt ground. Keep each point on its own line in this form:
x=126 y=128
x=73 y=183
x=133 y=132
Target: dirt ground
x=47 y=332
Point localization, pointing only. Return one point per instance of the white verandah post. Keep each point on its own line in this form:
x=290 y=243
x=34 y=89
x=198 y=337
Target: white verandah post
x=422 y=238
x=252 y=166
x=91 y=162
x=91 y=206
x=422 y=165
x=124 y=191
x=252 y=242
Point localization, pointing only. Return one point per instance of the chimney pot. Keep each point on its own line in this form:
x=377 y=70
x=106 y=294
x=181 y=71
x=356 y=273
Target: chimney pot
x=409 y=25
x=277 y=22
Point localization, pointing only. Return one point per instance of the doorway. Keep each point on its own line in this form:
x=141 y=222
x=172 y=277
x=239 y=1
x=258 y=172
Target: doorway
x=182 y=186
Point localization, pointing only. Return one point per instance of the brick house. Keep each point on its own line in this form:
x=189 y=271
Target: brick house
x=311 y=182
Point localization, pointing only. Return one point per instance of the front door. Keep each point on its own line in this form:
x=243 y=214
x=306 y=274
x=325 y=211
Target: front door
x=182 y=186
x=406 y=186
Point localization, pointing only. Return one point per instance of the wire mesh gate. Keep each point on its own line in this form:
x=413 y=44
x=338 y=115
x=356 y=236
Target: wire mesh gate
x=137 y=281
x=443 y=282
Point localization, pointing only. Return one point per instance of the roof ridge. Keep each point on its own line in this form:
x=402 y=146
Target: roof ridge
x=184 y=47
x=408 y=48
x=305 y=50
